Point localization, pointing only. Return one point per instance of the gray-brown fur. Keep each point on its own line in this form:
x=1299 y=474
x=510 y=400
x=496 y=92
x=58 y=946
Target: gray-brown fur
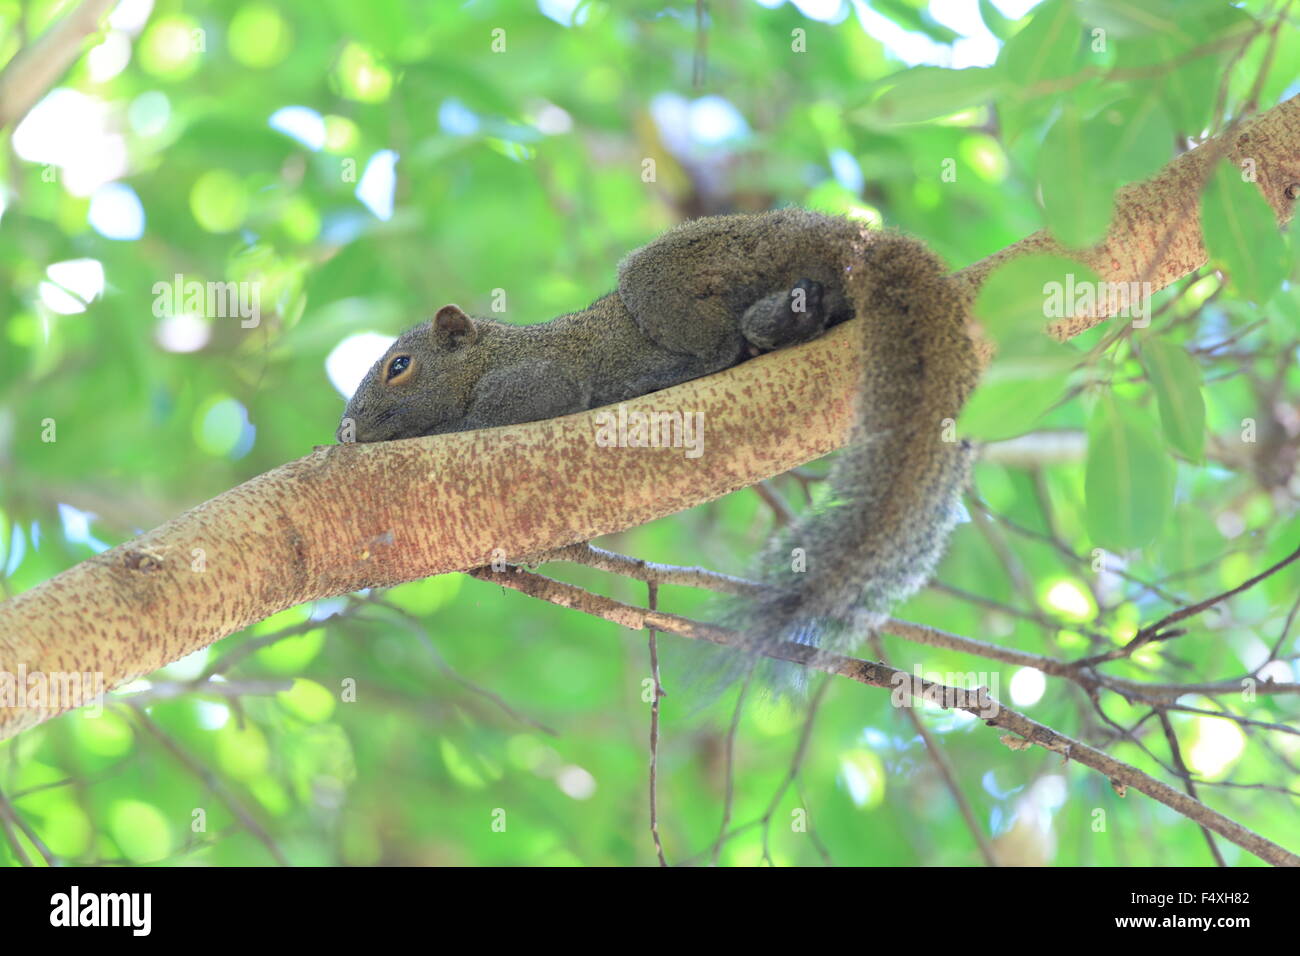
x=699 y=299
x=897 y=485
x=722 y=265
x=514 y=373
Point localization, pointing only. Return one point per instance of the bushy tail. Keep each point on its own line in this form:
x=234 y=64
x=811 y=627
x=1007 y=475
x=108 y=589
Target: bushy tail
x=896 y=487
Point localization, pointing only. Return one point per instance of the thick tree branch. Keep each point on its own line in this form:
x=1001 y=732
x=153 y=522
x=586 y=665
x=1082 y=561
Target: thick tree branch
x=1155 y=232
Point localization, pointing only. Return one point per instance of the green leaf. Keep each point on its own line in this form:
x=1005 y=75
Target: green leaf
x=1132 y=18
x=1077 y=197
x=381 y=23
x=915 y=20
x=926 y=93
x=140 y=829
x=1283 y=309
x=308 y=700
x=1132 y=138
x=1019 y=299
x=1176 y=378
x=1242 y=236
x=1128 y=483
x=1015 y=393
x=999 y=25
x=1046 y=49
x=1190 y=89
x=1282 y=542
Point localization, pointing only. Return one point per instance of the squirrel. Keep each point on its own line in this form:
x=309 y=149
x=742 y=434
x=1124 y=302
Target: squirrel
x=703 y=297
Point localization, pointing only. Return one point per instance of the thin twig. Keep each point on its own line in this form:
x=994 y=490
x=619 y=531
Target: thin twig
x=782 y=515
x=649 y=571
x=729 y=791
x=213 y=782
x=11 y=815
x=642 y=570
x=1159 y=631
x=1176 y=754
x=1286 y=629
x=792 y=773
x=416 y=626
x=652 y=602
x=941 y=763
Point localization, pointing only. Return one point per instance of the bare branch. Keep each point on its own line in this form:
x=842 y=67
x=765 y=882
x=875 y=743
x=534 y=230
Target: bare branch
x=657 y=692
x=1176 y=754
x=38 y=66
x=213 y=782
x=1160 y=631
x=977 y=702
x=9 y=814
x=652 y=572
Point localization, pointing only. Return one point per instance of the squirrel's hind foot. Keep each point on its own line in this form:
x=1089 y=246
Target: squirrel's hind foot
x=786 y=318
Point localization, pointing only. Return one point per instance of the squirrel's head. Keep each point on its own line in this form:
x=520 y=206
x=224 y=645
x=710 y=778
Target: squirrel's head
x=415 y=389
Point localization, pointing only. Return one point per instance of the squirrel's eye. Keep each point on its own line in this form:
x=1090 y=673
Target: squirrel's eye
x=397 y=366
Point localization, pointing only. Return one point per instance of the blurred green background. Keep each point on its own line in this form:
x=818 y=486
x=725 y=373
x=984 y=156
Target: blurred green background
x=363 y=163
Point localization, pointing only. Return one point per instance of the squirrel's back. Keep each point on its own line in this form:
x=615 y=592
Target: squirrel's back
x=711 y=270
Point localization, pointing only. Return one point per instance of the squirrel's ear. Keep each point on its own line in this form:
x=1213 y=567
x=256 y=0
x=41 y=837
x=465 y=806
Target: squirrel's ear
x=453 y=327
